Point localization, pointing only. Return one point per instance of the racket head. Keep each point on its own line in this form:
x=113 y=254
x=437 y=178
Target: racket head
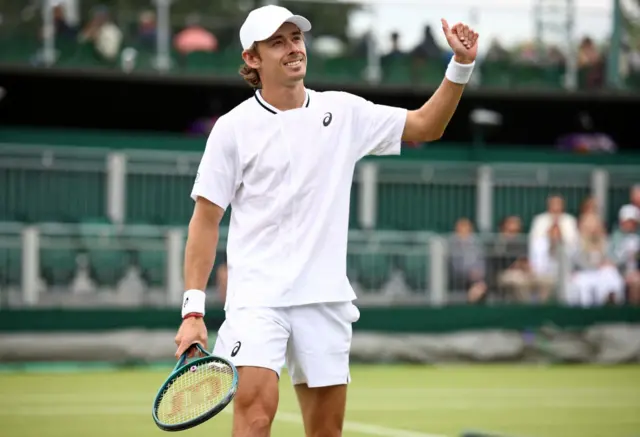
x=195 y=392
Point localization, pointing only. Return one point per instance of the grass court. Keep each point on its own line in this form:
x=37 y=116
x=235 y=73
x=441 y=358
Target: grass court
x=384 y=401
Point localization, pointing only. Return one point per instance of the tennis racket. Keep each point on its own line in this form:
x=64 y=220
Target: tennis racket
x=195 y=392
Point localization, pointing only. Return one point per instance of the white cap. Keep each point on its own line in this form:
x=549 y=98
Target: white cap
x=263 y=22
x=629 y=212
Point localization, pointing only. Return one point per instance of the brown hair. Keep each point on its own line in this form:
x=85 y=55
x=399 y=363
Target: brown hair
x=251 y=75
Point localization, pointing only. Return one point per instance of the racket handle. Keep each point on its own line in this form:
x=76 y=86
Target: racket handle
x=185 y=355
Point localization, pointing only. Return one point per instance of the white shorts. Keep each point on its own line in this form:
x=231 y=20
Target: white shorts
x=313 y=341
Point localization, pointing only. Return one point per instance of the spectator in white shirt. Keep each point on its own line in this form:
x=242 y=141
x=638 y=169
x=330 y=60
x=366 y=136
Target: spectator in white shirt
x=555 y=214
x=596 y=280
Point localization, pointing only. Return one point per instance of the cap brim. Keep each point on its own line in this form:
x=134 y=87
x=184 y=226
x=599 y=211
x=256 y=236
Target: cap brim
x=303 y=24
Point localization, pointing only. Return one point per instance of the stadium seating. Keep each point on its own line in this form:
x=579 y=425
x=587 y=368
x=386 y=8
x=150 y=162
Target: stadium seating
x=23 y=48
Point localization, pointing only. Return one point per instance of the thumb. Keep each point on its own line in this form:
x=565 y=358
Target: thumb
x=445 y=27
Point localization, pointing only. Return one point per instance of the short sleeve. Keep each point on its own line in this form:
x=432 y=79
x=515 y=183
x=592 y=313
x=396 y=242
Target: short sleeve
x=379 y=128
x=218 y=176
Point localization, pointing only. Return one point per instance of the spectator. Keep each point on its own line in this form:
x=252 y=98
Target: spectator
x=555 y=57
x=428 y=48
x=634 y=197
x=555 y=214
x=528 y=54
x=591 y=64
x=467 y=263
x=195 y=38
x=625 y=251
x=496 y=52
x=508 y=266
x=546 y=255
x=589 y=206
x=395 y=52
x=63 y=28
x=147 y=29
x=104 y=34
x=595 y=279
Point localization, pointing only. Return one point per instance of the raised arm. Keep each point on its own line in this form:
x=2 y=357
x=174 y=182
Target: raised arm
x=430 y=121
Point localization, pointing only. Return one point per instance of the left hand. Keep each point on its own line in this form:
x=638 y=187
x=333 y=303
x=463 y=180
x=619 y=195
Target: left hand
x=462 y=40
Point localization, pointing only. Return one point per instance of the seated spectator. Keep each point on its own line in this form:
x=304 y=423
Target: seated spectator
x=555 y=214
x=589 y=206
x=496 y=52
x=395 y=52
x=528 y=54
x=428 y=48
x=63 y=28
x=147 y=27
x=546 y=253
x=591 y=63
x=195 y=38
x=634 y=197
x=508 y=269
x=595 y=280
x=104 y=34
x=625 y=251
x=467 y=261
x=555 y=57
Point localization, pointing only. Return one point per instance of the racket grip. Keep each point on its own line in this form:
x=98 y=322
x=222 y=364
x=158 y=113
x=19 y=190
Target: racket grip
x=183 y=358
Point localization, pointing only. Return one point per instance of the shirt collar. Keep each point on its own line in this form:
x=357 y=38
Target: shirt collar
x=272 y=109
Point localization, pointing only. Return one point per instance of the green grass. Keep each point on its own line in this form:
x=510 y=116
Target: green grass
x=520 y=401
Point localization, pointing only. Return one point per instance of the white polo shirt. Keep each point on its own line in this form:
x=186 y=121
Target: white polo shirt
x=287 y=176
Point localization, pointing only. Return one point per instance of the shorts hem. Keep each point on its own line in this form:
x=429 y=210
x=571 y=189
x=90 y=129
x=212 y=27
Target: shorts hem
x=260 y=366
x=326 y=382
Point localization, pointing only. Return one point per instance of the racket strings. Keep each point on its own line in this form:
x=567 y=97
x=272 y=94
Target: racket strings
x=195 y=392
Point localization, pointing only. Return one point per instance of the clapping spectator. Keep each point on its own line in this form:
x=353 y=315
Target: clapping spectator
x=467 y=262
x=555 y=215
x=595 y=279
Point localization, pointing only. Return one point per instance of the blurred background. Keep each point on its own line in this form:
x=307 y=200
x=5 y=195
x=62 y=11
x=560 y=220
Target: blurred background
x=510 y=247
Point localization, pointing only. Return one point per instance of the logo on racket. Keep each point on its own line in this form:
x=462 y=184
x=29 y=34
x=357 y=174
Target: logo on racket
x=236 y=349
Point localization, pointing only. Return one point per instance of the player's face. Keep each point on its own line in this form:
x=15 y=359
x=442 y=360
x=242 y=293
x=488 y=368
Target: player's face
x=283 y=56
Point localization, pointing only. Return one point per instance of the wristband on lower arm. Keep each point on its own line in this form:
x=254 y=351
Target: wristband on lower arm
x=459 y=73
x=193 y=301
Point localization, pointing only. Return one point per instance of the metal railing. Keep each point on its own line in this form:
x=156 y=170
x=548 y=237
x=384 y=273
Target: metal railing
x=65 y=265
x=401 y=211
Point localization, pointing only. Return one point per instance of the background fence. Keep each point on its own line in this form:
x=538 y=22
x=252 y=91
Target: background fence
x=94 y=226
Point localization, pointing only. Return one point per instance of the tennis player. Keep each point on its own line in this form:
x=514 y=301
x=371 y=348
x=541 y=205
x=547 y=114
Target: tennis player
x=284 y=161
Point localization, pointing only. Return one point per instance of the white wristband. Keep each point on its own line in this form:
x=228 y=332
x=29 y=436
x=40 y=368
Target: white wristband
x=193 y=302
x=459 y=73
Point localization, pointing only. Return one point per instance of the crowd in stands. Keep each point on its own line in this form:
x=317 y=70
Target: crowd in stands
x=106 y=34
x=602 y=265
